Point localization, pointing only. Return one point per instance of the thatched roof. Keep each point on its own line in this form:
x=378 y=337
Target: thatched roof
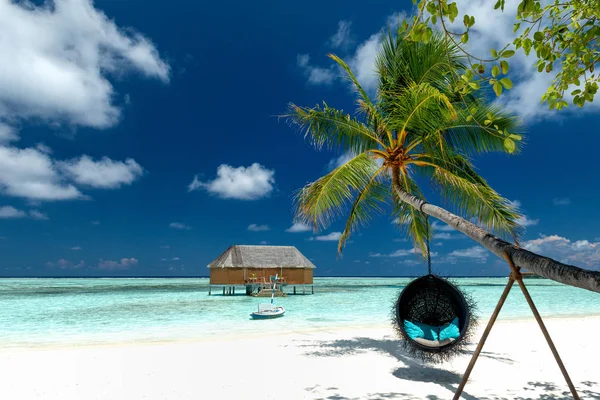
x=261 y=257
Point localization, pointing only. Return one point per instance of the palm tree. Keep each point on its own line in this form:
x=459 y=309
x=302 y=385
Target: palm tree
x=422 y=125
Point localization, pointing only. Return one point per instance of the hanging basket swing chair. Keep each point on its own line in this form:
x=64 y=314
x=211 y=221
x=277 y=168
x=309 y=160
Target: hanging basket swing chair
x=434 y=317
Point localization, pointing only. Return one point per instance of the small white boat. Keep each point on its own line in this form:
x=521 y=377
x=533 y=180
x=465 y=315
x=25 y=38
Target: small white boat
x=268 y=310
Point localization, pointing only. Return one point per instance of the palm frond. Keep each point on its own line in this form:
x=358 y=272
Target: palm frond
x=418 y=110
x=352 y=78
x=411 y=221
x=471 y=195
x=332 y=128
x=368 y=202
x=476 y=130
x=365 y=104
x=329 y=197
x=402 y=62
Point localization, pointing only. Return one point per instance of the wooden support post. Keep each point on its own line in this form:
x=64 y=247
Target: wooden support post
x=515 y=275
x=303 y=289
x=486 y=333
x=209 y=288
x=233 y=289
x=312 y=290
x=223 y=290
x=294 y=289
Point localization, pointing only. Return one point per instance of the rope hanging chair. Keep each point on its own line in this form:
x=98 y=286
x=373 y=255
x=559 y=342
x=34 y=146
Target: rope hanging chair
x=433 y=316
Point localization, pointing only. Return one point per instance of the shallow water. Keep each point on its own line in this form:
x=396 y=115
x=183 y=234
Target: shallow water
x=51 y=312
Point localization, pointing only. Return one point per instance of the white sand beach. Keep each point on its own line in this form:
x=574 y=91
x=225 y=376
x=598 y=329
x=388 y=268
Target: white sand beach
x=360 y=363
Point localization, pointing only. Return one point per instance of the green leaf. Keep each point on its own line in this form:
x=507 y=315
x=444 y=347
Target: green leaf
x=452 y=12
x=515 y=137
x=508 y=53
x=474 y=85
x=497 y=88
x=509 y=145
x=494 y=53
x=504 y=67
x=541 y=67
x=466 y=21
x=464 y=37
x=487 y=122
x=538 y=36
x=469 y=118
x=507 y=83
x=516 y=27
x=495 y=71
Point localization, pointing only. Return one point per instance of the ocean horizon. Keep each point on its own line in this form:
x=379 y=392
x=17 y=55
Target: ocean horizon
x=42 y=312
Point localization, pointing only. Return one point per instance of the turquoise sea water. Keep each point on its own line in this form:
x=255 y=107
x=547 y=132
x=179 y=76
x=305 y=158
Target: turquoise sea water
x=59 y=312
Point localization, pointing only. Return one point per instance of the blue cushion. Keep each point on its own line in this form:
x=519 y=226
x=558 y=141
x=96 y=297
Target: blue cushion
x=413 y=330
x=419 y=330
x=450 y=330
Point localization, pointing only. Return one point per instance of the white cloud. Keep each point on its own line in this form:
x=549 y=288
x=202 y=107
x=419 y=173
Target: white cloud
x=339 y=161
x=329 y=237
x=525 y=221
x=124 y=263
x=515 y=203
x=241 y=183
x=175 y=259
x=258 y=228
x=442 y=227
x=180 y=226
x=400 y=253
x=315 y=75
x=76 y=248
x=43 y=148
x=32 y=174
x=7 y=134
x=11 y=212
x=95 y=222
x=36 y=214
x=104 y=173
x=475 y=253
x=563 y=201
x=65 y=264
x=494 y=29
x=446 y=236
x=362 y=62
x=61 y=54
x=471 y=252
x=298 y=227
x=263 y=242
x=342 y=37
x=581 y=253
x=165 y=246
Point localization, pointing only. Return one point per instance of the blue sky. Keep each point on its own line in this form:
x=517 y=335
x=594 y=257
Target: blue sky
x=138 y=139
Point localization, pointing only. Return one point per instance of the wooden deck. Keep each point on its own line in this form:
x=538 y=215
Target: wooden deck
x=252 y=289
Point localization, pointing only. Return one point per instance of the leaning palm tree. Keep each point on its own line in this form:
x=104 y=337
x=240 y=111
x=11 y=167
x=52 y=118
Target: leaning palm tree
x=421 y=124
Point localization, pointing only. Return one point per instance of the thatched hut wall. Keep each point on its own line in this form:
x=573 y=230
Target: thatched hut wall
x=241 y=264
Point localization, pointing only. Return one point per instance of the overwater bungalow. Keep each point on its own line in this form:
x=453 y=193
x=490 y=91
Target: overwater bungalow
x=255 y=268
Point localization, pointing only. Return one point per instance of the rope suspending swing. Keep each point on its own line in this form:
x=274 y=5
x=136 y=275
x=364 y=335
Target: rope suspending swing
x=433 y=316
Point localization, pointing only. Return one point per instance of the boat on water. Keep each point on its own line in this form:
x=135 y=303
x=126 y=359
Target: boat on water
x=269 y=310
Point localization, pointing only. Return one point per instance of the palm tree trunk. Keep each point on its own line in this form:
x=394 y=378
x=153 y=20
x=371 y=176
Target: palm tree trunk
x=543 y=266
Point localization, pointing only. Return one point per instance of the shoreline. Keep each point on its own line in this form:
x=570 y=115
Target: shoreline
x=278 y=332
